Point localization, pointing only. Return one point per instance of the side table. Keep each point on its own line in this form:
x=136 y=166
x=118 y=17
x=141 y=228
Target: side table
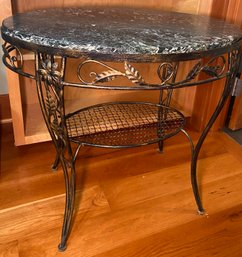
x=98 y=36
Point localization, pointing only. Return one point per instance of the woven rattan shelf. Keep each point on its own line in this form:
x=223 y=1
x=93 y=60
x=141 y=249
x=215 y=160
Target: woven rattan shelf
x=124 y=124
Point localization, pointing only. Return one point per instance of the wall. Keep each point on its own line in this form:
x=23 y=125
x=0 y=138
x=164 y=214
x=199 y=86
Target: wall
x=3 y=78
x=5 y=10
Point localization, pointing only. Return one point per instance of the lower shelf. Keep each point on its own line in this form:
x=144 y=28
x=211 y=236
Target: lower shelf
x=123 y=124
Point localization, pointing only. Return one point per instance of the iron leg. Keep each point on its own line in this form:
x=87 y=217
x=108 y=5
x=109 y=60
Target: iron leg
x=195 y=154
x=54 y=166
x=195 y=189
x=161 y=146
x=70 y=201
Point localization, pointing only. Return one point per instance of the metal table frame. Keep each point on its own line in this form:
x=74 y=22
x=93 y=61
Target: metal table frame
x=49 y=75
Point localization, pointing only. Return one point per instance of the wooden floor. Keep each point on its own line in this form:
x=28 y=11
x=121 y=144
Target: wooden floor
x=136 y=202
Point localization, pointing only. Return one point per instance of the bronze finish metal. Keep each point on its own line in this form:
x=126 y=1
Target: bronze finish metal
x=106 y=125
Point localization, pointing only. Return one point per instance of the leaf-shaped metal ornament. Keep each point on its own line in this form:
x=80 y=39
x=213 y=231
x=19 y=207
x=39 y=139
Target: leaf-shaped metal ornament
x=132 y=74
x=212 y=71
x=105 y=76
x=215 y=67
x=50 y=103
x=194 y=71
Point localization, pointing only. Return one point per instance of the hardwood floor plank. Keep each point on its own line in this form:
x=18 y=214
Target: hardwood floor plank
x=132 y=190
x=102 y=233
x=9 y=250
x=136 y=202
x=27 y=219
x=27 y=189
x=220 y=235
x=27 y=177
x=126 y=165
x=231 y=145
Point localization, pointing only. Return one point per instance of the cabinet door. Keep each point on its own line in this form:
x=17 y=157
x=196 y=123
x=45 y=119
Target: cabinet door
x=236 y=115
x=207 y=97
x=235 y=15
x=13 y=86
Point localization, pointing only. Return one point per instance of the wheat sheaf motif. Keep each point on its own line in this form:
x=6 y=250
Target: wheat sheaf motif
x=110 y=74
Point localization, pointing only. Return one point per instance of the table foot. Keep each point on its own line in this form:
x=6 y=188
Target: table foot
x=196 y=192
x=201 y=212
x=62 y=247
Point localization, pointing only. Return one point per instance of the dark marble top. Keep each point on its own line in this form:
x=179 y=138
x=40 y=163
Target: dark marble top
x=123 y=32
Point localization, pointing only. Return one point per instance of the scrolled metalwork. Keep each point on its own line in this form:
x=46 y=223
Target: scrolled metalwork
x=13 y=59
x=51 y=96
x=110 y=74
x=208 y=68
x=165 y=72
x=193 y=73
x=105 y=76
x=49 y=71
x=233 y=59
x=53 y=92
x=215 y=69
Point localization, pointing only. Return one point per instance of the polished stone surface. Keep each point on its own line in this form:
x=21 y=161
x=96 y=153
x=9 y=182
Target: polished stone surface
x=119 y=31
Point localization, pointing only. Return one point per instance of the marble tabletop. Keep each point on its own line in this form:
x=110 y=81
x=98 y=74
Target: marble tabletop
x=123 y=32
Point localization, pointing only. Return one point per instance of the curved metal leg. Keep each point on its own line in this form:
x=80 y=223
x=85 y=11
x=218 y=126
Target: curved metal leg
x=161 y=146
x=70 y=201
x=70 y=184
x=51 y=96
x=233 y=65
x=54 y=166
x=189 y=139
x=233 y=58
x=198 y=146
x=195 y=150
x=201 y=211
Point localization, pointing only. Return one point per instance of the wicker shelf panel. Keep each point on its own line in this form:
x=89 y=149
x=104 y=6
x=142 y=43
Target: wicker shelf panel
x=124 y=124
